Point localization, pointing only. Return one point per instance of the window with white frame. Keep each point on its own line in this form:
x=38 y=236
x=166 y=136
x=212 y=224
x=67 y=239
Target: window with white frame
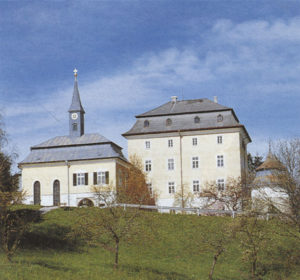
x=148 y=165
x=219 y=139
x=196 y=186
x=80 y=179
x=147 y=144
x=101 y=178
x=171 y=186
x=170 y=164
x=195 y=162
x=170 y=143
x=195 y=142
x=220 y=160
x=221 y=184
x=149 y=186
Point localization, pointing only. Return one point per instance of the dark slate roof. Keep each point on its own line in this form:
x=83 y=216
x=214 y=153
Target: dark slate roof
x=184 y=107
x=182 y=115
x=76 y=103
x=85 y=139
x=182 y=122
x=62 y=148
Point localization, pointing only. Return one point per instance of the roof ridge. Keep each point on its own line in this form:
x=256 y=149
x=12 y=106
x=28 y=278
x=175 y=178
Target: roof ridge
x=67 y=140
x=184 y=107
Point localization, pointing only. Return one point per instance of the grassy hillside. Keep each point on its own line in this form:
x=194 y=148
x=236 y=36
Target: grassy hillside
x=166 y=248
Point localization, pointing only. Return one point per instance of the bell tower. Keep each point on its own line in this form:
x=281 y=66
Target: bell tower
x=76 y=112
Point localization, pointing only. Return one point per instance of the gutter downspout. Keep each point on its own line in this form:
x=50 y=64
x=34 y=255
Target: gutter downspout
x=180 y=139
x=68 y=166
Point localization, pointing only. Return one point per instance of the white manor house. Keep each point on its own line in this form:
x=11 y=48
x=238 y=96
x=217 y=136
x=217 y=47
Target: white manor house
x=181 y=143
x=185 y=144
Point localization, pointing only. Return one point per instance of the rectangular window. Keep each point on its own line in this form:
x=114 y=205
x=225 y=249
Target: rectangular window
x=81 y=179
x=219 y=139
x=195 y=142
x=149 y=186
x=148 y=165
x=221 y=184
x=171 y=187
x=170 y=164
x=101 y=180
x=147 y=144
x=195 y=162
x=170 y=143
x=220 y=161
x=196 y=186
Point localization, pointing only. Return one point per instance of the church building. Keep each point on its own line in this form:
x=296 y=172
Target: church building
x=186 y=144
x=62 y=170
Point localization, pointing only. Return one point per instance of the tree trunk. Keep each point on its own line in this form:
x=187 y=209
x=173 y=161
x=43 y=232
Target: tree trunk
x=116 y=254
x=216 y=256
x=253 y=269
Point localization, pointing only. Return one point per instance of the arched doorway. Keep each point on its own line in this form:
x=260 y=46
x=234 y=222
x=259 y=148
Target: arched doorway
x=56 y=193
x=36 y=193
x=85 y=203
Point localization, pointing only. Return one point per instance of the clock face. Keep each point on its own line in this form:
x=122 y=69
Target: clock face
x=74 y=116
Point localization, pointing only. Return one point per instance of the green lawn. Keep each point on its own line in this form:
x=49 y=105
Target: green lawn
x=165 y=250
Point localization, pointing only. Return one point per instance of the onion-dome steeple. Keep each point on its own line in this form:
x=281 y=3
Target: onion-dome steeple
x=271 y=163
x=76 y=112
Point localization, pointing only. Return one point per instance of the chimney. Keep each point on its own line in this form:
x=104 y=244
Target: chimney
x=216 y=99
x=174 y=99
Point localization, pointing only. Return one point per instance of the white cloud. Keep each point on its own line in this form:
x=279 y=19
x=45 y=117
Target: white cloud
x=259 y=30
x=244 y=63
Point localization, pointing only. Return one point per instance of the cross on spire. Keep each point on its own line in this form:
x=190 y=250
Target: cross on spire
x=75 y=73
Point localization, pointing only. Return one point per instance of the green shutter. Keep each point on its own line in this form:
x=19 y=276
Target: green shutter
x=86 y=178
x=106 y=177
x=95 y=178
x=74 y=179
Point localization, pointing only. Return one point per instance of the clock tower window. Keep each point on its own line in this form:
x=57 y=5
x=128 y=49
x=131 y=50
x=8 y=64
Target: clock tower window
x=74 y=126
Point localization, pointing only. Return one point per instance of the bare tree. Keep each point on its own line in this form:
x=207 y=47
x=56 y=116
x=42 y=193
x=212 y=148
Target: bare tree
x=108 y=226
x=281 y=187
x=13 y=222
x=232 y=196
x=253 y=239
x=184 y=197
x=214 y=240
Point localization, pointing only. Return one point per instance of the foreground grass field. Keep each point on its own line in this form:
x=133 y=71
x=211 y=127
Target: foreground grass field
x=165 y=249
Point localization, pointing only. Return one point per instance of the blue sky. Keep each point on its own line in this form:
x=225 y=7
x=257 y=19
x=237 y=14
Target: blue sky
x=132 y=56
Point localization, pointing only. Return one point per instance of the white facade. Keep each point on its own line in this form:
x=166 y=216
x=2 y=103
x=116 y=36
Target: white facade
x=189 y=149
x=70 y=195
x=192 y=162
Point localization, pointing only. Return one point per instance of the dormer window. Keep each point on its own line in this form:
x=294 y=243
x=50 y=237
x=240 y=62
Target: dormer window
x=168 y=122
x=219 y=118
x=196 y=119
x=74 y=125
x=146 y=123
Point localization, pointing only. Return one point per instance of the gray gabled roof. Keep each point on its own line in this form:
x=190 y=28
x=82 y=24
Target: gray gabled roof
x=85 y=139
x=66 y=148
x=76 y=103
x=185 y=107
